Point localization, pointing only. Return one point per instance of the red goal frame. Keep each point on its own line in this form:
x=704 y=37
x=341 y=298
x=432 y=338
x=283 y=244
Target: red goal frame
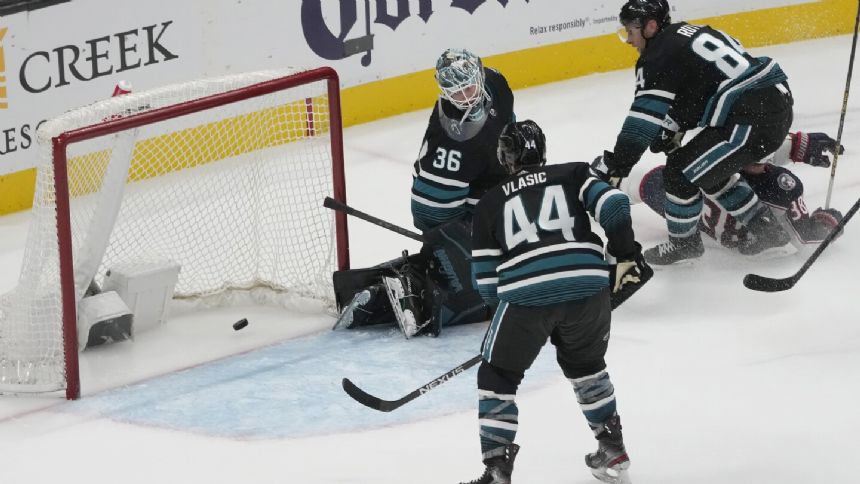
x=61 y=142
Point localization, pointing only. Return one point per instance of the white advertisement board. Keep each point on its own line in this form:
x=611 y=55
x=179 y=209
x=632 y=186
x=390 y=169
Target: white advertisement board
x=68 y=55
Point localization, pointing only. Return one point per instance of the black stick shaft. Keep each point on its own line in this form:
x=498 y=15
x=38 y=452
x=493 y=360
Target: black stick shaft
x=767 y=284
x=342 y=207
x=377 y=403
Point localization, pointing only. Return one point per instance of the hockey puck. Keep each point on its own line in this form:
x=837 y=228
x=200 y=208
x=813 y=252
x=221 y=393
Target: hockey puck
x=240 y=324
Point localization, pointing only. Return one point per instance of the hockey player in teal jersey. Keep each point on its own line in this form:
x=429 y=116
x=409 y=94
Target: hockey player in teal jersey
x=772 y=181
x=456 y=164
x=694 y=76
x=533 y=252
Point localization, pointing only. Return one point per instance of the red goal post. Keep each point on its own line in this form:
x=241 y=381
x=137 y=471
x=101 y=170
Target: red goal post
x=225 y=177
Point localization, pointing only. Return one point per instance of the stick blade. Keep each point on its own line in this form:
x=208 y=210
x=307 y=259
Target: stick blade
x=767 y=284
x=367 y=399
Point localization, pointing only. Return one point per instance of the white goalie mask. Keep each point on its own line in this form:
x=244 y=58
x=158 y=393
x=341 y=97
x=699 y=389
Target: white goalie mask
x=460 y=75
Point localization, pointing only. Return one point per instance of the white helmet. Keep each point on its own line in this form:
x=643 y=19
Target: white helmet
x=460 y=75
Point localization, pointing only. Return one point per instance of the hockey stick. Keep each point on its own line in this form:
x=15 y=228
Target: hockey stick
x=767 y=284
x=844 y=108
x=377 y=403
x=342 y=207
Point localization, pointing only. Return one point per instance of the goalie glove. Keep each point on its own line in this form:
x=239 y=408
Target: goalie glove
x=813 y=148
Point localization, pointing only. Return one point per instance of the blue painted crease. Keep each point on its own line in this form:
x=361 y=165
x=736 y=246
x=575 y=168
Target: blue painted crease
x=293 y=389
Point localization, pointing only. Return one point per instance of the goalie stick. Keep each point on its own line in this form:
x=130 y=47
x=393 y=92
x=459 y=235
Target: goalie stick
x=768 y=284
x=342 y=207
x=377 y=403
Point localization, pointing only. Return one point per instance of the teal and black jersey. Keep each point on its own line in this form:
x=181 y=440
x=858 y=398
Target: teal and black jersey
x=532 y=242
x=693 y=75
x=457 y=163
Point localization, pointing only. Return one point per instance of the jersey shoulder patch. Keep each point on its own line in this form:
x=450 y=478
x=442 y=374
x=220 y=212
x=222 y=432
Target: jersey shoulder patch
x=786 y=181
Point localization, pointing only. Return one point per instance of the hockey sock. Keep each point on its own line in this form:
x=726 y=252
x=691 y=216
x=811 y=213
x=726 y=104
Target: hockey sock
x=596 y=397
x=737 y=198
x=499 y=417
x=682 y=214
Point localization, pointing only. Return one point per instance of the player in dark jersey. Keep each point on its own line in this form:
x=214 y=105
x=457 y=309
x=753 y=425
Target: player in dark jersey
x=690 y=76
x=774 y=185
x=457 y=161
x=455 y=166
x=534 y=252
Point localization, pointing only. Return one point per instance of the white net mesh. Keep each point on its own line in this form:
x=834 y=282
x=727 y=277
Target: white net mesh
x=233 y=194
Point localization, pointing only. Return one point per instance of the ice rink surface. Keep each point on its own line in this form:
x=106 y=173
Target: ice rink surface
x=715 y=383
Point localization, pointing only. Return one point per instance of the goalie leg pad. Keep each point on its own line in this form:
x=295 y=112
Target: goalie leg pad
x=349 y=284
x=351 y=281
x=366 y=308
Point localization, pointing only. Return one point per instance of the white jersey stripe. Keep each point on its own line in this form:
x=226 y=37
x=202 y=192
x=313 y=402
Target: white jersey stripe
x=657 y=92
x=444 y=181
x=646 y=117
x=424 y=201
x=502 y=288
x=545 y=250
x=486 y=252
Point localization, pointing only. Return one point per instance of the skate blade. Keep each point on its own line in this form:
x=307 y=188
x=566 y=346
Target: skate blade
x=616 y=475
x=345 y=319
x=408 y=326
x=394 y=296
x=681 y=263
x=775 y=252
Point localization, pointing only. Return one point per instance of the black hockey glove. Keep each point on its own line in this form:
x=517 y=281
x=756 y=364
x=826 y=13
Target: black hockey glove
x=827 y=219
x=669 y=139
x=627 y=270
x=627 y=275
x=603 y=168
x=813 y=148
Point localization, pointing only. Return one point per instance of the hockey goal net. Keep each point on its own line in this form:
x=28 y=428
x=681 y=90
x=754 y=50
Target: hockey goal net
x=225 y=177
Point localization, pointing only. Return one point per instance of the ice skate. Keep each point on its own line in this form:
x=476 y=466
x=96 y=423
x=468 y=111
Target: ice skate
x=675 y=251
x=610 y=462
x=613 y=474
x=354 y=310
x=498 y=470
x=405 y=304
x=765 y=237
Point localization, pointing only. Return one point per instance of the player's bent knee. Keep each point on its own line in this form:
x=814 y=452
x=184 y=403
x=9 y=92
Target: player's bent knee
x=574 y=370
x=495 y=379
